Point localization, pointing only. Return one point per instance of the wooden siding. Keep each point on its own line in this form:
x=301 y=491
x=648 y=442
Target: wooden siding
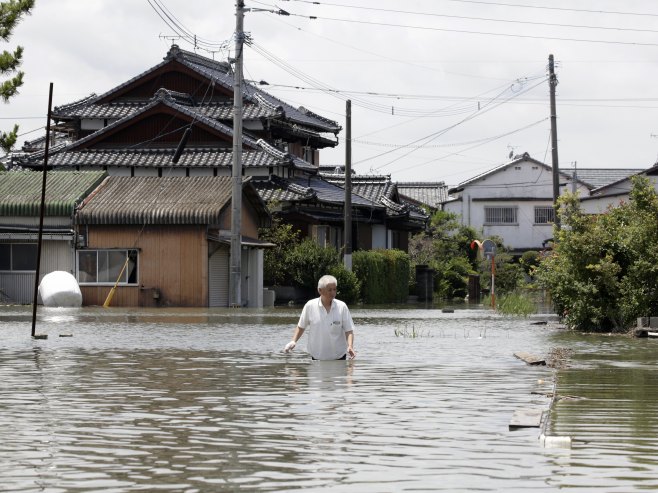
x=173 y=262
x=250 y=219
x=165 y=126
x=175 y=77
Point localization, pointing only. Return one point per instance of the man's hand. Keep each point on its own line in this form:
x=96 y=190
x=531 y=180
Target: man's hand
x=289 y=347
x=351 y=352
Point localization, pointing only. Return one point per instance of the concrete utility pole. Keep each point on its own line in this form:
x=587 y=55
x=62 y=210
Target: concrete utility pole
x=552 y=82
x=347 y=228
x=235 y=281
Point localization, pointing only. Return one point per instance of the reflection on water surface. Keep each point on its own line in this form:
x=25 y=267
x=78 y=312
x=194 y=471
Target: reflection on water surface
x=190 y=400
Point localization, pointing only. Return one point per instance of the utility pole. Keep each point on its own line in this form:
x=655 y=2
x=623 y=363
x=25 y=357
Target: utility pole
x=347 y=229
x=235 y=298
x=552 y=82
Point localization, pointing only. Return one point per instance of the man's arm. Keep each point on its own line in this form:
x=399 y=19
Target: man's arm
x=295 y=337
x=350 y=343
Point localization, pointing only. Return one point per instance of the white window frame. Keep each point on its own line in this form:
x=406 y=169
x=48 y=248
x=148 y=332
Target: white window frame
x=106 y=265
x=503 y=215
x=544 y=214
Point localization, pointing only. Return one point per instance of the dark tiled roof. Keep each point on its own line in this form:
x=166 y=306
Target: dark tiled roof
x=266 y=156
x=431 y=194
x=185 y=110
x=221 y=73
x=600 y=177
x=215 y=110
x=305 y=189
x=157 y=158
x=378 y=189
x=20 y=191
x=153 y=200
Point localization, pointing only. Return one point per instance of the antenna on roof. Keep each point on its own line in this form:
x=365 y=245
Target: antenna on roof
x=171 y=38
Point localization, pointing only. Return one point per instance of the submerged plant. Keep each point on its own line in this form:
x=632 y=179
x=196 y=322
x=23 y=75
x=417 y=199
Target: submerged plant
x=514 y=303
x=412 y=334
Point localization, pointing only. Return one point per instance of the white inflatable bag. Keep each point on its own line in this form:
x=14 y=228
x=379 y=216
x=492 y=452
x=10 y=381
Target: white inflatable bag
x=60 y=289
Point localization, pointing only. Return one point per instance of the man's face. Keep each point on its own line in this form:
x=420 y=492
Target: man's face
x=328 y=292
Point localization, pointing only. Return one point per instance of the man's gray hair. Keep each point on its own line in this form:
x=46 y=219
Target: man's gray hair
x=324 y=280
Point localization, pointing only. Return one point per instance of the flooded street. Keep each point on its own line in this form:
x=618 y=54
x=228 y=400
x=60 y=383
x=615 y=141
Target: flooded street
x=204 y=400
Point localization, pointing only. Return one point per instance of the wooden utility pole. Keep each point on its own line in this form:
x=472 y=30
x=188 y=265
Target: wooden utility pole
x=552 y=82
x=235 y=281
x=347 y=229
x=41 y=214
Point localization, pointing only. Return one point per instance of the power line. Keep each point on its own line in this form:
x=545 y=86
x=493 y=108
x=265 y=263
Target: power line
x=454 y=144
x=539 y=7
x=486 y=19
x=483 y=33
x=437 y=134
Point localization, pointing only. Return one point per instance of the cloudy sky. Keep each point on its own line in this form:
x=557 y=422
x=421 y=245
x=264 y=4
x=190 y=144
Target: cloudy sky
x=441 y=90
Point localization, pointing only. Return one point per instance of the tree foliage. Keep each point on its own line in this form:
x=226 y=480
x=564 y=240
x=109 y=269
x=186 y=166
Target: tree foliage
x=603 y=270
x=10 y=14
x=445 y=247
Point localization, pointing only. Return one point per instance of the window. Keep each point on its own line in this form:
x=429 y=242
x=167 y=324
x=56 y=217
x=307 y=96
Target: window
x=18 y=256
x=500 y=215
x=106 y=266
x=544 y=215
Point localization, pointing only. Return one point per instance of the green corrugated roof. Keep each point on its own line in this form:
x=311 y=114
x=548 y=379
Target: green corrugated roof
x=20 y=191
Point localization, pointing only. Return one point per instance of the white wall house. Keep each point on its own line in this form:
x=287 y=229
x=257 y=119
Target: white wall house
x=513 y=201
x=613 y=194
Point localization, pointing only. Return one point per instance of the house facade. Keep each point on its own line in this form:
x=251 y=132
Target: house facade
x=513 y=201
x=135 y=128
x=400 y=219
x=20 y=210
x=616 y=191
x=165 y=241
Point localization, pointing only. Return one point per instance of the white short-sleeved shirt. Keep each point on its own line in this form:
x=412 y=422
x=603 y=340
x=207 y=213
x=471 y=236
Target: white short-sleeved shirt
x=326 y=330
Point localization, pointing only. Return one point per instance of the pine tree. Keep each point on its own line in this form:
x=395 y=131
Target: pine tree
x=10 y=15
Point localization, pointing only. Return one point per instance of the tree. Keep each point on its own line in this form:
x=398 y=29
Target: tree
x=10 y=15
x=603 y=270
x=445 y=247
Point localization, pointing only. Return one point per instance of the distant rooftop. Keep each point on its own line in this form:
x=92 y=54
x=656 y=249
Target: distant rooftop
x=599 y=177
x=431 y=194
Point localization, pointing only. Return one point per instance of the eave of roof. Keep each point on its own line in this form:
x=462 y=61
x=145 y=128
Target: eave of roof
x=20 y=191
x=220 y=73
x=157 y=200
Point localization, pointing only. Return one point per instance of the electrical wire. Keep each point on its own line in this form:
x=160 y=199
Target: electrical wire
x=485 y=19
x=441 y=132
x=483 y=33
x=183 y=32
x=541 y=7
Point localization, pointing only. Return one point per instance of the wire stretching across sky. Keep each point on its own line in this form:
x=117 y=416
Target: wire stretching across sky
x=435 y=135
x=484 y=19
x=316 y=84
x=184 y=33
x=483 y=33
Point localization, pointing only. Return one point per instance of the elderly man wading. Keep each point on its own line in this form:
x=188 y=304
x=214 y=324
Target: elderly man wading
x=330 y=326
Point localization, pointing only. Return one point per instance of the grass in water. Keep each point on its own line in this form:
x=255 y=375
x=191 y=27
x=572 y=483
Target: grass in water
x=412 y=334
x=513 y=304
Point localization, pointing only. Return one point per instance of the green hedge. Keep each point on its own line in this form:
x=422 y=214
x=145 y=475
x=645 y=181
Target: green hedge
x=384 y=275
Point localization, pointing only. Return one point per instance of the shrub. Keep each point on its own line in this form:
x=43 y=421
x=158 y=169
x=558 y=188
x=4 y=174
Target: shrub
x=384 y=275
x=603 y=271
x=307 y=262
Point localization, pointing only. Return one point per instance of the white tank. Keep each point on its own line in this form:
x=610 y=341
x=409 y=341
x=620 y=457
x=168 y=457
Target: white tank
x=60 y=289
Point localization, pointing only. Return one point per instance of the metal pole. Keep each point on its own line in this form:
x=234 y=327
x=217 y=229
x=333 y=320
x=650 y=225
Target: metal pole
x=493 y=281
x=236 y=198
x=43 y=207
x=347 y=230
x=552 y=82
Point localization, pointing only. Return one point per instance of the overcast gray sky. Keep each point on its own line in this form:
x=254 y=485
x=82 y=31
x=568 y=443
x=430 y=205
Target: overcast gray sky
x=441 y=90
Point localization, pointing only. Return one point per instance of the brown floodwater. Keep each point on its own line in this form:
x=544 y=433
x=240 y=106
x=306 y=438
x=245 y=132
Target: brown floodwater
x=205 y=401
